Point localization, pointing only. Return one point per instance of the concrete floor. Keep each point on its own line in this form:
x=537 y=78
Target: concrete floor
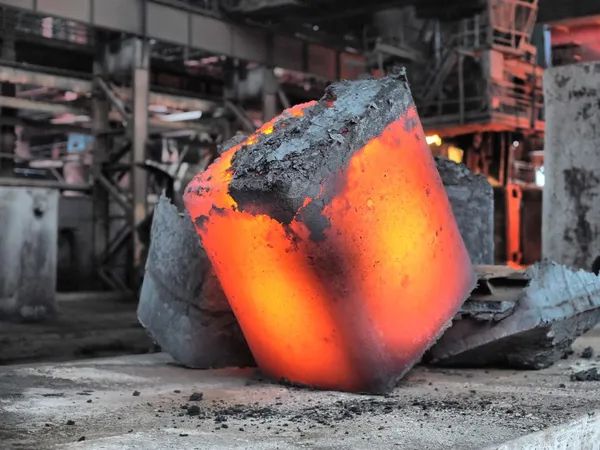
x=432 y=409
x=89 y=325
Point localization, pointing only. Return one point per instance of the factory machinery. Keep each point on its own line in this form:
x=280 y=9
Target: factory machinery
x=111 y=102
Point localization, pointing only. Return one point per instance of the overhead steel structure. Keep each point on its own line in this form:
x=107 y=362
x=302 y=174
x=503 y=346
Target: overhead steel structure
x=179 y=23
x=113 y=100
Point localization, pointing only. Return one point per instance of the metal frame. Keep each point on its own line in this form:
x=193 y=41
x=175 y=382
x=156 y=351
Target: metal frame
x=177 y=23
x=455 y=113
x=16 y=75
x=117 y=209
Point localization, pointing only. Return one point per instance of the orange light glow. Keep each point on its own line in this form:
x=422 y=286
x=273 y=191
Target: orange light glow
x=355 y=310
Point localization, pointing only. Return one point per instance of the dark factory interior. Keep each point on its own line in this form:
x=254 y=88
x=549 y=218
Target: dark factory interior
x=285 y=224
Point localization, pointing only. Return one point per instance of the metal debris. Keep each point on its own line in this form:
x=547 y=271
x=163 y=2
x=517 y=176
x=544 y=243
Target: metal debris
x=551 y=306
x=590 y=374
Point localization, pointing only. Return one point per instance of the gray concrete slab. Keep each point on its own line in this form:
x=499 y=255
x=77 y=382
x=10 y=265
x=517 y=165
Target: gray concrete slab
x=28 y=253
x=571 y=210
x=554 y=306
x=88 y=325
x=431 y=409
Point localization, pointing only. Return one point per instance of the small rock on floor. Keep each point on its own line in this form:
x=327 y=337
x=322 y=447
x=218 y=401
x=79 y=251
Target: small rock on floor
x=193 y=410
x=196 y=396
x=587 y=353
x=586 y=375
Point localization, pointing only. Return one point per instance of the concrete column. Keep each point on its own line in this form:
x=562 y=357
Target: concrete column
x=232 y=80
x=28 y=253
x=571 y=202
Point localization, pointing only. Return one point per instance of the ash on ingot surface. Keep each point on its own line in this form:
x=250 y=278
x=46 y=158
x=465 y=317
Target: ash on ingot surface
x=278 y=173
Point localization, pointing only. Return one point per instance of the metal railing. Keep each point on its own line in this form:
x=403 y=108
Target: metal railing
x=512 y=22
x=509 y=99
x=516 y=100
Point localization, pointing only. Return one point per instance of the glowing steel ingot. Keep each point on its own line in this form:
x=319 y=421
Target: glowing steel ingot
x=334 y=240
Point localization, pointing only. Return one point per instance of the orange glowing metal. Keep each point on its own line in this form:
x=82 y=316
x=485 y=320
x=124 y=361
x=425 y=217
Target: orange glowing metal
x=355 y=310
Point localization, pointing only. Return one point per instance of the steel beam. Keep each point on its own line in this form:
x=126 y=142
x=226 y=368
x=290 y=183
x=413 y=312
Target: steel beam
x=42 y=126
x=15 y=75
x=269 y=95
x=161 y=126
x=52 y=108
x=115 y=101
x=171 y=101
x=58 y=108
x=139 y=136
x=241 y=116
x=100 y=110
x=177 y=23
x=51 y=184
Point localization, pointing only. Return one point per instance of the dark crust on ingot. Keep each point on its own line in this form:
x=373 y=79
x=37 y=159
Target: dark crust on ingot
x=296 y=161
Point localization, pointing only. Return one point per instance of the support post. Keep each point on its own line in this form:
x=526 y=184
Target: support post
x=139 y=136
x=437 y=42
x=269 y=95
x=100 y=125
x=570 y=207
x=461 y=87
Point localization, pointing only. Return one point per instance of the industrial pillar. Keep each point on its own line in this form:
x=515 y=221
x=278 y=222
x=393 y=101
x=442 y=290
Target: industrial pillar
x=100 y=128
x=571 y=201
x=269 y=94
x=236 y=73
x=120 y=186
x=139 y=135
